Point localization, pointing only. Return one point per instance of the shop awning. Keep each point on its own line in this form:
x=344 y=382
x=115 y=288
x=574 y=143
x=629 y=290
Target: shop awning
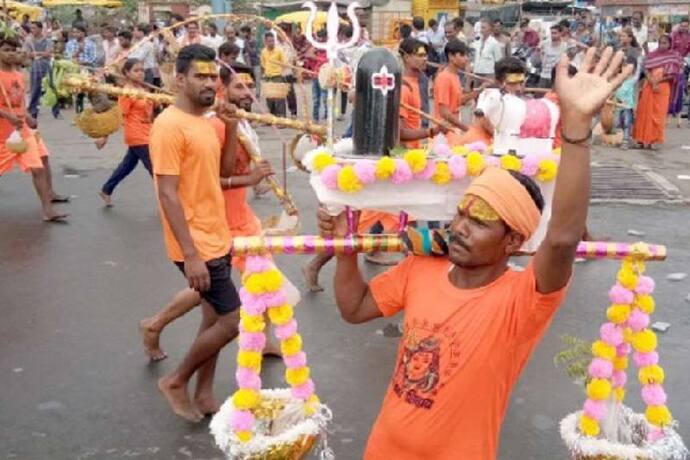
x=100 y=3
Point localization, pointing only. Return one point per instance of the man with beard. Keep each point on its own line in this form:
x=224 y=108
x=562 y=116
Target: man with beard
x=482 y=319
x=186 y=158
x=237 y=176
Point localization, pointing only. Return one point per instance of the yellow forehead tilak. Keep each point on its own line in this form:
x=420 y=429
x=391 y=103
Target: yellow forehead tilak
x=244 y=77
x=205 y=68
x=478 y=209
x=515 y=78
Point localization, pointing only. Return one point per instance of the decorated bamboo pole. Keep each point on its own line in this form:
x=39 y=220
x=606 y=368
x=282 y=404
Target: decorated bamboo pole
x=313 y=244
x=83 y=84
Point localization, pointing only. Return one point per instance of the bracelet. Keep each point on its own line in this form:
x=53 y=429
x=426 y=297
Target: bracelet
x=576 y=141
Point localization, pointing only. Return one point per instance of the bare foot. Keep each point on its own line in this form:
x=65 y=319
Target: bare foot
x=311 y=276
x=151 y=338
x=53 y=216
x=178 y=398
x=272 y=350
x=207 y=405
x=107 y=199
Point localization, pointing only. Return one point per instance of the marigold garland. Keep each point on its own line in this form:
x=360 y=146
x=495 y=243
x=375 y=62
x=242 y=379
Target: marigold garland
x=262 y=293
x=628 y=315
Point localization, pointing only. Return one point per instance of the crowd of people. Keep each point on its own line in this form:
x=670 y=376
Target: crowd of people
x=199 y=156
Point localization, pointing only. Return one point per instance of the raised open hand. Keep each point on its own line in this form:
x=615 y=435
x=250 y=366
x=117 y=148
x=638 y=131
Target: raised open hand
x=582 y=95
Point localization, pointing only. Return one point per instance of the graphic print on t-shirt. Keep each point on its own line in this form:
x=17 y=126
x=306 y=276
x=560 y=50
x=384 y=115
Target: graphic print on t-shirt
x=429 y=354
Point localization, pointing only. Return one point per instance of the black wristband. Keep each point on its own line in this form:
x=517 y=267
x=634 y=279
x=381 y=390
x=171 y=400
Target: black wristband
x=576 y=141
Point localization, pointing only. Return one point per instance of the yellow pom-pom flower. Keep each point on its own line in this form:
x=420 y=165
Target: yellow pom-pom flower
x=627 y=278
x=619 y=393
x=645 y=303
x=348 y=181
x=297 y=376
x=245 y=399
x=323 y=160
x=620 y=363
x=252 y=323
x=475 y=163
x=460 y=150
x=511 y=163
x=291 y=345
x=547 y=170
x=441 y=174
x=651 y=374
x=618 y=313
x=262 y=283
x=416 y=159
x=281 y=315
x=589 y=426
x=249 y=359
x=658 y=415
x=385 y=167
x=244 y=436
x=628 y=334
x=599 y=389
x=644 y=341
x=311 y=405
x=601 y=349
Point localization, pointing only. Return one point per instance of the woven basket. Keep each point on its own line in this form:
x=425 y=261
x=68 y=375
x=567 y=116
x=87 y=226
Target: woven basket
x=275 y=90
x=97 y=125
x=292 y=441
x=167 y=70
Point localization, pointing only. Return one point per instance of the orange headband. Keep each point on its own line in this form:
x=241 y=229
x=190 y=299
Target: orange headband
x=509 y=198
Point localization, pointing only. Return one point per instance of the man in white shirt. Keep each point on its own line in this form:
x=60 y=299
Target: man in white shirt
x=487 y=52
x=436 y=35
x=418 y=31
x=111 y=47
x=639 y=29
x=550 y=54
x=145 y=52
x=212 y=39
x=231 y=37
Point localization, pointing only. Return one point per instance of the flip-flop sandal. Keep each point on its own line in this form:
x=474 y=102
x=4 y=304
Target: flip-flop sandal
x=61 y=218
x=61 y=199
x=155 y=359
x=272 y=354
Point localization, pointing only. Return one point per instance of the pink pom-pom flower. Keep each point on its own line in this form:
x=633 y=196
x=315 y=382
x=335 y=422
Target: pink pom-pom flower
x=655 y=434
x=619 y=378
x=366 y=171
x=653 y=395
x=646 y=359
x=638 y=320
x=258 y=264
x=242 y=420
x=611 y=334
x=595 y=409
x=600 y=368
x=303 y=391
x=254 y=341
x=428 y=171
x=286 y=330
x=530 y=165
x=296 y=360
x=329 y=176
x=247 y=378
x=492 y=161
x=623 y=349
x=442 y=149
x=479 y=146
x=645 y=285
x=274 y=299
x=254 y=305
x=402 y=172
x=457 y=166
x=618 y=294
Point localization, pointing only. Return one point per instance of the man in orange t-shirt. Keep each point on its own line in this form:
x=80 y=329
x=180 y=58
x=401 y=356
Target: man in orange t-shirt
x=414 y=56
x=186 y=158
x=471 y=323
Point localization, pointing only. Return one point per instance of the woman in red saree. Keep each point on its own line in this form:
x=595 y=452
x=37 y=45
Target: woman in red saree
x=661 y=68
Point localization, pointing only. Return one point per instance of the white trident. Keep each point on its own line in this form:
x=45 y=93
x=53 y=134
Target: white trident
x=331 y=45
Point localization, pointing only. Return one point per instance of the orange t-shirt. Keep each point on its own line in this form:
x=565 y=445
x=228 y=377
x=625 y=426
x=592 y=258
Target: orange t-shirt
x=411 y=96
x=138 y=116
x=448 y=92
x=461 y=353
x=185 y=145
x=553 y=97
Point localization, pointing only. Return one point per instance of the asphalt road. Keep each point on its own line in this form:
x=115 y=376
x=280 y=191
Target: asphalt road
x=75 y=384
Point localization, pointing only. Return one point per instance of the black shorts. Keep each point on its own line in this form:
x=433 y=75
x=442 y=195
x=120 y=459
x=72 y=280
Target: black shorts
x=222 y=294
